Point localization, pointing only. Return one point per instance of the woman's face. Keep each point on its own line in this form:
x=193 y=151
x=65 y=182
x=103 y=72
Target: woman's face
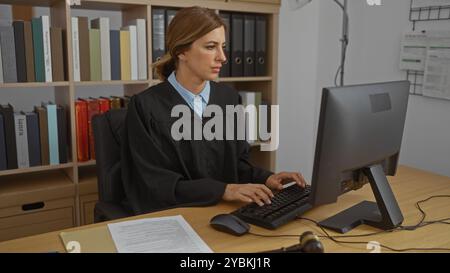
x=205 y=56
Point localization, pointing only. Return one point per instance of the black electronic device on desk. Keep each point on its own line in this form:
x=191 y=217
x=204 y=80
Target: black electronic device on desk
x=358 y=141
x=286 y=205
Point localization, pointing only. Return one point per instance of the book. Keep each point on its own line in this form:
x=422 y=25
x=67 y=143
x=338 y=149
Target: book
x=141 y=31
x=104 y=104
x=57 y=54
x=75 y=50
x=38 y=45
x=125 y=101
x=95 y=57
x=102 y=24
x=3 y=164
x=83 y=39
x=116 y=102
x=33 y=136
x=8 y=54
x=125 y=56
x=62 y=134
x=115 y=54
x=19 y=42
x=133 y=52
x=29 y=51
x=20 y=122
x=81 y=120
x=7 y=111
x=1 y=65
x=93 y=109
x=43 y=134
x=52 y=122
x=47 y=48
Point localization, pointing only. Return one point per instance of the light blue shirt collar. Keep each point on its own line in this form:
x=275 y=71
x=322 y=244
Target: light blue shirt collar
x=187 y=95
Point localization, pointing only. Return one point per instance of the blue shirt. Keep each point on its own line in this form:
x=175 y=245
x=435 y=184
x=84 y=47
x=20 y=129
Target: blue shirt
x=190 y=97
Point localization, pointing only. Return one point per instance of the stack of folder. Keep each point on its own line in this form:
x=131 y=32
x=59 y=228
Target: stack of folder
x=246 y=41
x=246 y=45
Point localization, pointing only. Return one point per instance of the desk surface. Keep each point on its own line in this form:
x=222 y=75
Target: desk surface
x=409 y=185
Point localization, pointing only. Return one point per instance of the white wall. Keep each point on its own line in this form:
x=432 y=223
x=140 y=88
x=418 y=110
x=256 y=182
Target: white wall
x=309 y=56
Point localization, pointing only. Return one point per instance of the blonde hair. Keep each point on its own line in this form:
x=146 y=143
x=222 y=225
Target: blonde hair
x=188 y=25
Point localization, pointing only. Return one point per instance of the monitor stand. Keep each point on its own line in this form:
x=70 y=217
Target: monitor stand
x=384 y=214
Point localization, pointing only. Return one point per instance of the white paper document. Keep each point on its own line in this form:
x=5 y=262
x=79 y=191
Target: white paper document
x=413 y=51
x=437 y=73
x=170 y=234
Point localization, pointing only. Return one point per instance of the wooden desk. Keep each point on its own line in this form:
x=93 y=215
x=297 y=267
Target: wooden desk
x=410 y=185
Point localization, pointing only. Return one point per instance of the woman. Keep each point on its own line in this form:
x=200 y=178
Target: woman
x=159 y=172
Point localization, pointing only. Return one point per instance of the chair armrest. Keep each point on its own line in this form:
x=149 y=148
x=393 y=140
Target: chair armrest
x=105 y=211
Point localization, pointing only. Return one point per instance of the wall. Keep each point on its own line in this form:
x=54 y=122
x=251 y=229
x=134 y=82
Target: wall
x=373 y=54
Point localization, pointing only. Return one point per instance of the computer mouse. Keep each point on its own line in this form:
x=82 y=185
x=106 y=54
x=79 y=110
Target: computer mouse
x=230 y=224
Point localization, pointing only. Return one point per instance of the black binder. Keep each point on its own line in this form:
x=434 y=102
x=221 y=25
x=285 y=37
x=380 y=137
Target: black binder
x=237 y=45
x=33 y=135
x=10 y=135
x=170 y=13
x=62 y=134
x=261 y=45
x=225 y=70
x=249 y=45
x=158 y=33
x=3 y=164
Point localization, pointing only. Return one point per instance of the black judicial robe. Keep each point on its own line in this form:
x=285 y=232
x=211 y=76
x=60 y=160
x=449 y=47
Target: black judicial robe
x=159 y=172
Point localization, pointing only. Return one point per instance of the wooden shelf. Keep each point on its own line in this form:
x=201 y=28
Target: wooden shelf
x=86 y=163
x=245 y=79
x=103 y=83
x=29 y=181
x=233 y=79
x=81 y=176
x=33 y=84
x=36 y=169
x=109 y=5
x=35 y=3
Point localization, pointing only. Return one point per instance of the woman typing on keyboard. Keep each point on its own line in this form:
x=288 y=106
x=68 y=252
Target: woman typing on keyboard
x=160 y=171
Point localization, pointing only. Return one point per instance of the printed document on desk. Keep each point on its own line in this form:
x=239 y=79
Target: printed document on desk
x=170 y=234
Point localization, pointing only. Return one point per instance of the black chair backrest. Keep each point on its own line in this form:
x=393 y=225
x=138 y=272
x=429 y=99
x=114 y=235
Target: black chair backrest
x=108 y=129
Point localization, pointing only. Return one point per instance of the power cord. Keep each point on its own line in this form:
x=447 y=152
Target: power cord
x=420 y=224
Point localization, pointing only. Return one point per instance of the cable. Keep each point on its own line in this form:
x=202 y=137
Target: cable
x=328 y=236
x=424 y=215
x=345 y=41
x=420 y=224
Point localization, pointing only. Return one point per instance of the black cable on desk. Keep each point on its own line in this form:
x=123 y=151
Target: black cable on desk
x=420 y=224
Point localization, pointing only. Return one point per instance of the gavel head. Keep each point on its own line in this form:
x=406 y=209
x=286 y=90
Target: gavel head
x=310 y=243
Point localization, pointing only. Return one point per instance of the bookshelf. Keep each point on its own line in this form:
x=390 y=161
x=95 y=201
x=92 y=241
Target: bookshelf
x=81 y=176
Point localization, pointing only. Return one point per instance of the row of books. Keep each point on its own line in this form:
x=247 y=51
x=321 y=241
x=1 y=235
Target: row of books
x=246 y=41
x=85 y=110
x=100 y=53
x=32 y=52
x=29 y=139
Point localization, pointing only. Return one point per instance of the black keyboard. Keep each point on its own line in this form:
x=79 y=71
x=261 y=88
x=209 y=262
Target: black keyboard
x=286 y=205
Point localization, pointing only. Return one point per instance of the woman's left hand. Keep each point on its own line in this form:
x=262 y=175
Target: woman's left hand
x=276 y=181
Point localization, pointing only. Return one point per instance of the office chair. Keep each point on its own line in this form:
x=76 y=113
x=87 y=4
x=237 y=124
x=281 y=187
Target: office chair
x=107 y=138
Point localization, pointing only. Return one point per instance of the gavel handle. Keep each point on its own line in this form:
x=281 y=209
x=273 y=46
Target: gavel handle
x=290 y=249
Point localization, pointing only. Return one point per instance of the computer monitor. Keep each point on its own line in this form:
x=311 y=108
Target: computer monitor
x=358 y=141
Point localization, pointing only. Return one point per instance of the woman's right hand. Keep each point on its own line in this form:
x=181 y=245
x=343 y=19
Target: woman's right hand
x=248 y=193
